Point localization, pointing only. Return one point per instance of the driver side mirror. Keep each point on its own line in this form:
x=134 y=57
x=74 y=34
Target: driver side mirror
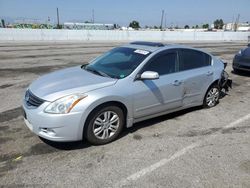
x=149 y=75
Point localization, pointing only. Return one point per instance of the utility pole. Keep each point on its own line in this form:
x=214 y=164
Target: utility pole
x=162 y=15
x=165 y=20
x=237 y=22
x=58 y=22
x=93 y=16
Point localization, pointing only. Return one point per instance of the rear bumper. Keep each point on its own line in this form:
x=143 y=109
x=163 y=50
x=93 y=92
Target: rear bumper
x=225 y=82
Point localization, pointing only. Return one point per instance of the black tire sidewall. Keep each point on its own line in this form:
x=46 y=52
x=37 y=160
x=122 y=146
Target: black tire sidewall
x=88 y=131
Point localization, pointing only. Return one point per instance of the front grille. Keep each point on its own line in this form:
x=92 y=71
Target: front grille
x=32 y=100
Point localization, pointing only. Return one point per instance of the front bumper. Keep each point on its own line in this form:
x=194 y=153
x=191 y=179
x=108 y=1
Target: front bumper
x=54 y=127
x=241 y=64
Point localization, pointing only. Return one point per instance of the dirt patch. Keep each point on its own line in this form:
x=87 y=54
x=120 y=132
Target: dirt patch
x=5 y=86
x=242 y=129
x=206 y=132
x=245 y=166
x=10 y=114
x=4 y=128
x=193 y=133
x=50 y=55
x=5 y=139
x=40 y=149
x=137 y=137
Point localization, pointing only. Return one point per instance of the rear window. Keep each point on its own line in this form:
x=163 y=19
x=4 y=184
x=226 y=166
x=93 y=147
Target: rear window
x=191 y=59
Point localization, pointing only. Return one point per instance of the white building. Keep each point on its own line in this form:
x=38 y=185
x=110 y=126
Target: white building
x=238 y=27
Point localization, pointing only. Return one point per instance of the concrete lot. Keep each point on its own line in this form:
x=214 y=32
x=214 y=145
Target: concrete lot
x=193 y=148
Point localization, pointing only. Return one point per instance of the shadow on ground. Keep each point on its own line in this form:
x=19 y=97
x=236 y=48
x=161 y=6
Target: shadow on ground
x=241 y=73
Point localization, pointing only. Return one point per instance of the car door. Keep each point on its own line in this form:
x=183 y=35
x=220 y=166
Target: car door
x=154 y=96
x=197 y=74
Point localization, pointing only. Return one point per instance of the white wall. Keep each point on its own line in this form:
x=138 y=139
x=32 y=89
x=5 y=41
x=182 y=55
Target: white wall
x=113 y=35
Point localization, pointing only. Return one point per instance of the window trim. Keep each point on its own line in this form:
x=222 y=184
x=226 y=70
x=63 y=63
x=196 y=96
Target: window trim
x=168 y=51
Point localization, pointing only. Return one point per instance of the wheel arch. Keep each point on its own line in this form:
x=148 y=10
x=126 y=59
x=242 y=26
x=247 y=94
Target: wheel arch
x=213 y=83
x=117 y=103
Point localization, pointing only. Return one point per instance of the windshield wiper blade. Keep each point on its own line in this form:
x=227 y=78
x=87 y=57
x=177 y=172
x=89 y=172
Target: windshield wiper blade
x=97 y=72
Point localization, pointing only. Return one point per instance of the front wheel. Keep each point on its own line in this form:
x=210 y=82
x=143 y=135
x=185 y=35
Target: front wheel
x=212 y=96
x=104 y=125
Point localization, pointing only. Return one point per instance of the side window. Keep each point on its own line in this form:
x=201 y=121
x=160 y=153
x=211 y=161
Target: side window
x=163 y=64
x=191 y=59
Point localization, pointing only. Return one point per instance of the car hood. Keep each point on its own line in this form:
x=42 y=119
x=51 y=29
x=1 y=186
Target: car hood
x=68 y=81
x=246 y=52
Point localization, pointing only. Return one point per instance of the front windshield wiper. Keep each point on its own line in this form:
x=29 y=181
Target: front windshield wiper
x=96 y=72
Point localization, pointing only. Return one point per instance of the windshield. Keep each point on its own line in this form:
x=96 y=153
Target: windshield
x=117 y=63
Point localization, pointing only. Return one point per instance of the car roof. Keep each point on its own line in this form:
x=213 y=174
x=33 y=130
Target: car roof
x=155 y=46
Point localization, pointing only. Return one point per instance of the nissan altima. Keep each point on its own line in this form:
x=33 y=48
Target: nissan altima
x=125 y=85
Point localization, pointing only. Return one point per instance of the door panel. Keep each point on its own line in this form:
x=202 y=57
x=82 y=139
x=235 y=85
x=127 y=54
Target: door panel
x=154 y=96
x=196 y=82
x=197 y=73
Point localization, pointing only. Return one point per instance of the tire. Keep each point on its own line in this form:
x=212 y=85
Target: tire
x=212 y=96
x=104 y=125
x=236 y=71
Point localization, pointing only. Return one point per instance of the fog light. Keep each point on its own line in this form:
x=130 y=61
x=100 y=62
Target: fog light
x=48 y=131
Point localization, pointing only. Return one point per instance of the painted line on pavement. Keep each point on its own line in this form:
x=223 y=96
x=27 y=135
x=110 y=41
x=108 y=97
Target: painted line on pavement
x=176 y=155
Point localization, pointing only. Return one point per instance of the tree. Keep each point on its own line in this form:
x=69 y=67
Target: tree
x=134 y=24
x=205 y=26
x=3 y=23
x=218 y=24
x=196 y=27
x=186 y=27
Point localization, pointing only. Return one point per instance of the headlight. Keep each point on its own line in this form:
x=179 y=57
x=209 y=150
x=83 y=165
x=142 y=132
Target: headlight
x=64 y=105
x=240 y=52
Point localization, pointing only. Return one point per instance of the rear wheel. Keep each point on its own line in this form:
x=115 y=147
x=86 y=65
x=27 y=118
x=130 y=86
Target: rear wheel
x=212 y=96
x=104 y=125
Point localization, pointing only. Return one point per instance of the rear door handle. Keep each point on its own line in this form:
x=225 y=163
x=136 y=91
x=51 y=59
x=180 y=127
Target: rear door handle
x=209 y=73
x=177 y=82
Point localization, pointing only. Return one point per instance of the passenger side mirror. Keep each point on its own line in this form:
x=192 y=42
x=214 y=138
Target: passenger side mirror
x=149 y=75
x=248 y=45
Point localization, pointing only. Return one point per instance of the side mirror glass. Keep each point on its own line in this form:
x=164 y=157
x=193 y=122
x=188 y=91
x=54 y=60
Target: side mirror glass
x=149 y=75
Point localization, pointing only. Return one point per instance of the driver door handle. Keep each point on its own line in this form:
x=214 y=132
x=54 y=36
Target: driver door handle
x=209 y=73
x=177 y=82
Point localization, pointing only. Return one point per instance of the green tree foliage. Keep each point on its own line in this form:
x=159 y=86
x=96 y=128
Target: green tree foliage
x=205 y=26
x=218 y=24
x=186 y=27
x=134 y=24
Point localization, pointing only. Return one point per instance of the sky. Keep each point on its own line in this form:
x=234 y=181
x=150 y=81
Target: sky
x=147 y=12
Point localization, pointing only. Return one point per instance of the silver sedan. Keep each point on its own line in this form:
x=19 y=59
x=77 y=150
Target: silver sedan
x=126 y=85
